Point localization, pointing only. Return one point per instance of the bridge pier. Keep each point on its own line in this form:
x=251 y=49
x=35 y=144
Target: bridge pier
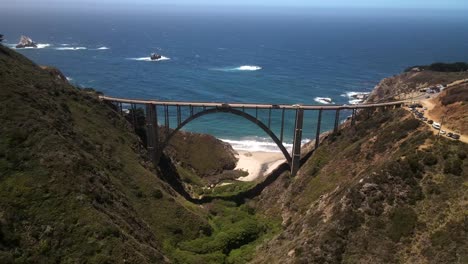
x=337 y=120
x=317 y=135
x=282 y=126
x=296 y=157
x=152 y=136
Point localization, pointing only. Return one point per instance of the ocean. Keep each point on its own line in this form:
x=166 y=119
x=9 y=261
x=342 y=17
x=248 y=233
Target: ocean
x=270 y=57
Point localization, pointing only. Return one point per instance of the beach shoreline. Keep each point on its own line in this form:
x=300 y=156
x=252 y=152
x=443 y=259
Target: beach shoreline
x=257 y=163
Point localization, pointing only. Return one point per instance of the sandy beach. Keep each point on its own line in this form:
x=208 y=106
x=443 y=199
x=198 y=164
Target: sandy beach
x=258 y=163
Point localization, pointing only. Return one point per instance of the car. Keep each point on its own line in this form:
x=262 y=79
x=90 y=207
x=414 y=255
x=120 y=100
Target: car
x=424 y=119
x=276 y=106
x=225 y=105
x=449 y=134
x=442 y=132
x=455 y=136
x=296 y=105
x=436 y=125
x=430 y=122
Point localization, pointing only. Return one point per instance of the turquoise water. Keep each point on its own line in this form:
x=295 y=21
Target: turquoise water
x=240 y=58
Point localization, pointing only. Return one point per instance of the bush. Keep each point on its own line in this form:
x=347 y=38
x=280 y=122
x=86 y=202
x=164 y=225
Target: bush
x=453 y=166
x=402 y=222
x=430 y=159
x=157 y=194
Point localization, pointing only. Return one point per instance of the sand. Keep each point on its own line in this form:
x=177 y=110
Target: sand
x=258 y=164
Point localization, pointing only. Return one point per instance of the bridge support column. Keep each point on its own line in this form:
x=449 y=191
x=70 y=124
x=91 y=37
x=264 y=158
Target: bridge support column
x=282 y=126
x=296 y=157
x=317 y=135
x=337 y=120
x=152 y=136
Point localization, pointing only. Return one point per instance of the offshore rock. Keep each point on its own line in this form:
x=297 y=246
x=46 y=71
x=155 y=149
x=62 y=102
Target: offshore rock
x=26 y=42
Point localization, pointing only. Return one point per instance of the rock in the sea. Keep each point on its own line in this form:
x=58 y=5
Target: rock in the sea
x=26 y=42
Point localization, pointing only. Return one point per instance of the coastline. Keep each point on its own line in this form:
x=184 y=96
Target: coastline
x=257 y=163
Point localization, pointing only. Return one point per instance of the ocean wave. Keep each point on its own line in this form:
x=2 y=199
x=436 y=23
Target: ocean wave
x=69 y=78
x=248 y=68
x=149 y=59
x=39 y=46
x=356 y=97
x=323 y=100
x=258 y=144
x=71 y=48
x=103 y=48
x=240 y=68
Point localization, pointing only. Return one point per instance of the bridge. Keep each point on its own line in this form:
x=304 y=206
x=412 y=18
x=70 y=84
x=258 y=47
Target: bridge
x=194 y=110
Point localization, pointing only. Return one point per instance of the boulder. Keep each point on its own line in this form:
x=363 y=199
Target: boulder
x=26 y=42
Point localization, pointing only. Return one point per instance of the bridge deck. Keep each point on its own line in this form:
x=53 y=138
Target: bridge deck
x=248 y=105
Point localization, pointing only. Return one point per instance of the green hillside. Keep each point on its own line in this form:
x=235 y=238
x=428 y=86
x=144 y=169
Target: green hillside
x=384 y=191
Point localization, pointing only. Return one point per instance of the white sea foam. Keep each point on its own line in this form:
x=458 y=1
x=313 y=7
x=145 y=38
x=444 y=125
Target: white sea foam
x=71 y=48
x=149 y=59
x=257 y=144
x=43 y=45
x=69 y=78
x=103 y=48
x=355 y=97
x=323 y=100
x=39 y=46
x=248 y=68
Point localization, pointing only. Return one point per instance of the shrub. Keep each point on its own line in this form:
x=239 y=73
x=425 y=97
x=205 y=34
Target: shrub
x=402 y=222
x=430 y=159
x=453 y=166
x=157 y=194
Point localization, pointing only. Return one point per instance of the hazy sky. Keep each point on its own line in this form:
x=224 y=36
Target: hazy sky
x=437 y=4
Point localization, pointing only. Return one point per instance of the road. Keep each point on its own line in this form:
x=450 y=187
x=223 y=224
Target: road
x=250 y=105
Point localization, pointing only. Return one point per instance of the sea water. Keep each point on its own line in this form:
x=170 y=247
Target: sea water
x=279 y=58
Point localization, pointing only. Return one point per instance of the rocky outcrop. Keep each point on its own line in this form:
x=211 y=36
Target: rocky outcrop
x=26 y=42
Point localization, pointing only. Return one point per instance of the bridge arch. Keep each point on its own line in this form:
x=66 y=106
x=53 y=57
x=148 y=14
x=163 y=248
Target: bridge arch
x=234 y=112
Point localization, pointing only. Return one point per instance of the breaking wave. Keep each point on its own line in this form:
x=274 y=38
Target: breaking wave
x=149 y=59
x=356 y=97
x=103 y=48
x=39 y=46
x=71 y=48
x=248 y=68
x=258 y=144
x=323 y=100
x=240 y=68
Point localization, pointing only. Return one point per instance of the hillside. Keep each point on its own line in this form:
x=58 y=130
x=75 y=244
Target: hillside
x=451 y=106
x=384 y=191
x=75 y=185
x=407 y=85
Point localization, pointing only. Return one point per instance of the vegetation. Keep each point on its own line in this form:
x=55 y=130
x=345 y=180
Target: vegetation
x=373 y=193
x=75 y=185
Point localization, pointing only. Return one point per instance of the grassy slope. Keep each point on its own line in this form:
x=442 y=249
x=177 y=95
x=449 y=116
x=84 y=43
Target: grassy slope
x=73 y=186
x=385 y=191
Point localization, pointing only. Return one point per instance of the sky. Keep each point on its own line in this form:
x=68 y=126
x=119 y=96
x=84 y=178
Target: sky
x=407 y=4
